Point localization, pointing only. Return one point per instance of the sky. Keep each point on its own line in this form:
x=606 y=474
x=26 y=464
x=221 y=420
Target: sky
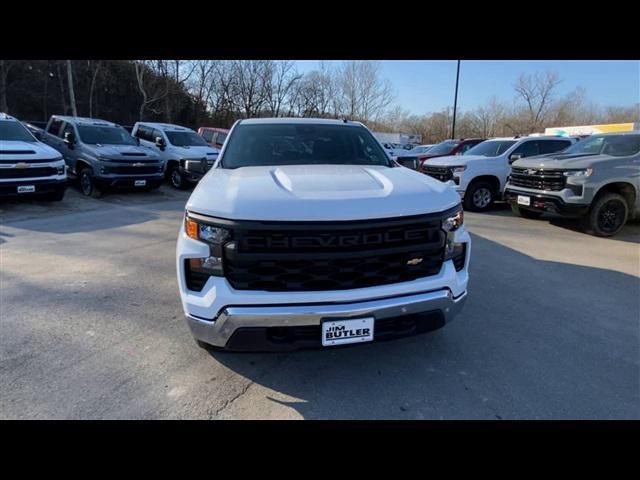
x=427 y=86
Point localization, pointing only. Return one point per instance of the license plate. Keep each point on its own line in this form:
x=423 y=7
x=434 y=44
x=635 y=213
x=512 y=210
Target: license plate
x=26 y=188
x=140 y=183
x=524 y=200
x=341 y=332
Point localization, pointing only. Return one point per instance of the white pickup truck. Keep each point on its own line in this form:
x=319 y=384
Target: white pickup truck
x=306 y=234
x=480 y=175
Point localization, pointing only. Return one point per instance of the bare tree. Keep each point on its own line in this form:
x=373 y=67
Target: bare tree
x=72 y=92
x=364 y=94
x=149 y=88
x=281 y=76
x=249 y=92
x=537 y=91
x=5 y=67
x=94 y=67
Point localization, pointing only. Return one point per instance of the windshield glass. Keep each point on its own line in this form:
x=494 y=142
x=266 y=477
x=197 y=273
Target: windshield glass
x=419 y=150
x=302 y=144
x=615 y=145
x=186 y=139
x=491 y=148
x=15 y=131
x=93 y=134
x=444 y=147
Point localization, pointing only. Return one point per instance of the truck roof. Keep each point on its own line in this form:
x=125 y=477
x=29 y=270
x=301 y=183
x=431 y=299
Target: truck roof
x=85 y=121
x=295 y=120
x=165 y=126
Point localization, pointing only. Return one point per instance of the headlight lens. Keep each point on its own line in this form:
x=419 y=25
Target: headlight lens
x=213 y=235
x=579 y=173
x=205 y=232
x=461 y=168
x=453 y=222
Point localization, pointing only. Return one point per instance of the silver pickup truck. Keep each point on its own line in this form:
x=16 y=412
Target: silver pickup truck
x=596 y=180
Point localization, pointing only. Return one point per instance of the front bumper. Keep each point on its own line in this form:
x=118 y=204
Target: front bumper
x=277 y=327
x=42 y=186
x=128 y=181
x=217 y=312
x=541 y=202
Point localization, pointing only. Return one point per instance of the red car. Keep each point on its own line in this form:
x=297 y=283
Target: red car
x=215 y=137
x=449 y=147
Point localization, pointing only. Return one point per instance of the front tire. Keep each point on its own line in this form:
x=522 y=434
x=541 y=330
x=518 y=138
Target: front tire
x=176 y=178
x=479 y=197
x=524 y=213
x=607 y=215
x=88 y=186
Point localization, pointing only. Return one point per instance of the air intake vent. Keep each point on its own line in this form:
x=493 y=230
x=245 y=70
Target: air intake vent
x=134 y=154
x=17 y=152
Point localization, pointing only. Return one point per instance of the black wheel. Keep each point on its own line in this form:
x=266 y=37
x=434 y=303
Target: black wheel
x=55 y=196
x=479 y=197
x=176 y=178
x=607 y=215
x=524 y=213
x=87 y=185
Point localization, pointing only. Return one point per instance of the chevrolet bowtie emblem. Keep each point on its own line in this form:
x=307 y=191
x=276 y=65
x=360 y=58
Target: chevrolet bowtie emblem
x=415 y=261
x=22 y=165
x=138 y=164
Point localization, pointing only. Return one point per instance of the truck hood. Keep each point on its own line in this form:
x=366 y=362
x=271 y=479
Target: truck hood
x=454 y=160
x=197 y=151
x=319 y=192
x=560 y=161
x=17 y=151
x=134 y=153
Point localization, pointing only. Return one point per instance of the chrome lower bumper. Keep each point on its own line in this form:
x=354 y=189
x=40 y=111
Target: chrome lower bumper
x=218 y=331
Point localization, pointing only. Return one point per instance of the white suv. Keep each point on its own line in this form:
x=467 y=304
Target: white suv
x=306 y=234
x=480 y=175
x=186 y=155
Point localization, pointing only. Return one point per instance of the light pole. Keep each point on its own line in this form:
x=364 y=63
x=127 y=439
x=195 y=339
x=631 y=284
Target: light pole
x=455 y=103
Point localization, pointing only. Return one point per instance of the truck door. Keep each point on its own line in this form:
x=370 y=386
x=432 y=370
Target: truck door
x=70 y=154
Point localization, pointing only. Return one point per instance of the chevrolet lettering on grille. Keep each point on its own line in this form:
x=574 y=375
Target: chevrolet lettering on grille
x=327 y=241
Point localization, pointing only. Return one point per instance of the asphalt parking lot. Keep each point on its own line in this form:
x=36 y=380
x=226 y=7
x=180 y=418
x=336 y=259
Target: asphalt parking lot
x=91 y=327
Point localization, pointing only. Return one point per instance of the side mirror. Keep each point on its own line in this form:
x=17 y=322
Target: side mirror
x=514 y=156
x=69 y=139
x=160 y=143
x=37 y=134
x=137 y=141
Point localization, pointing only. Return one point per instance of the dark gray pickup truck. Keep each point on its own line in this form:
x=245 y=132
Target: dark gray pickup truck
x=103 y=155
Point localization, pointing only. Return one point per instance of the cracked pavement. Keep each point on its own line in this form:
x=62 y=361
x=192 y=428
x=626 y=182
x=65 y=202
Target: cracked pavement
x=91 y=327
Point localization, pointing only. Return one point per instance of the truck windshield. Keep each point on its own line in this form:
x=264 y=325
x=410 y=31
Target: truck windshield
x=94 y=134
x=443 y=148
x=490 y=148
x=615 y=145
x=419 y=150
x=186 y=139
x=15 y=131
x=302 y=144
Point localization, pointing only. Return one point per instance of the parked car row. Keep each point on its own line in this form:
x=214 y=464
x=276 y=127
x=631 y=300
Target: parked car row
x=101 y=155
x=596 y=179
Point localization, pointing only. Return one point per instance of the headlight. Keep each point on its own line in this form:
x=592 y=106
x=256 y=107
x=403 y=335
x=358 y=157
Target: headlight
x=213 y=235
x=579 y=173
x=453 y=222
x=460 y=168
x=452 y=250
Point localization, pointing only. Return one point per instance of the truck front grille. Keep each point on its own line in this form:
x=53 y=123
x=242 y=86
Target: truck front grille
x=537 y=179
x=129 y=170
x=28 y=172
x=334 y=256
x=444 y=174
